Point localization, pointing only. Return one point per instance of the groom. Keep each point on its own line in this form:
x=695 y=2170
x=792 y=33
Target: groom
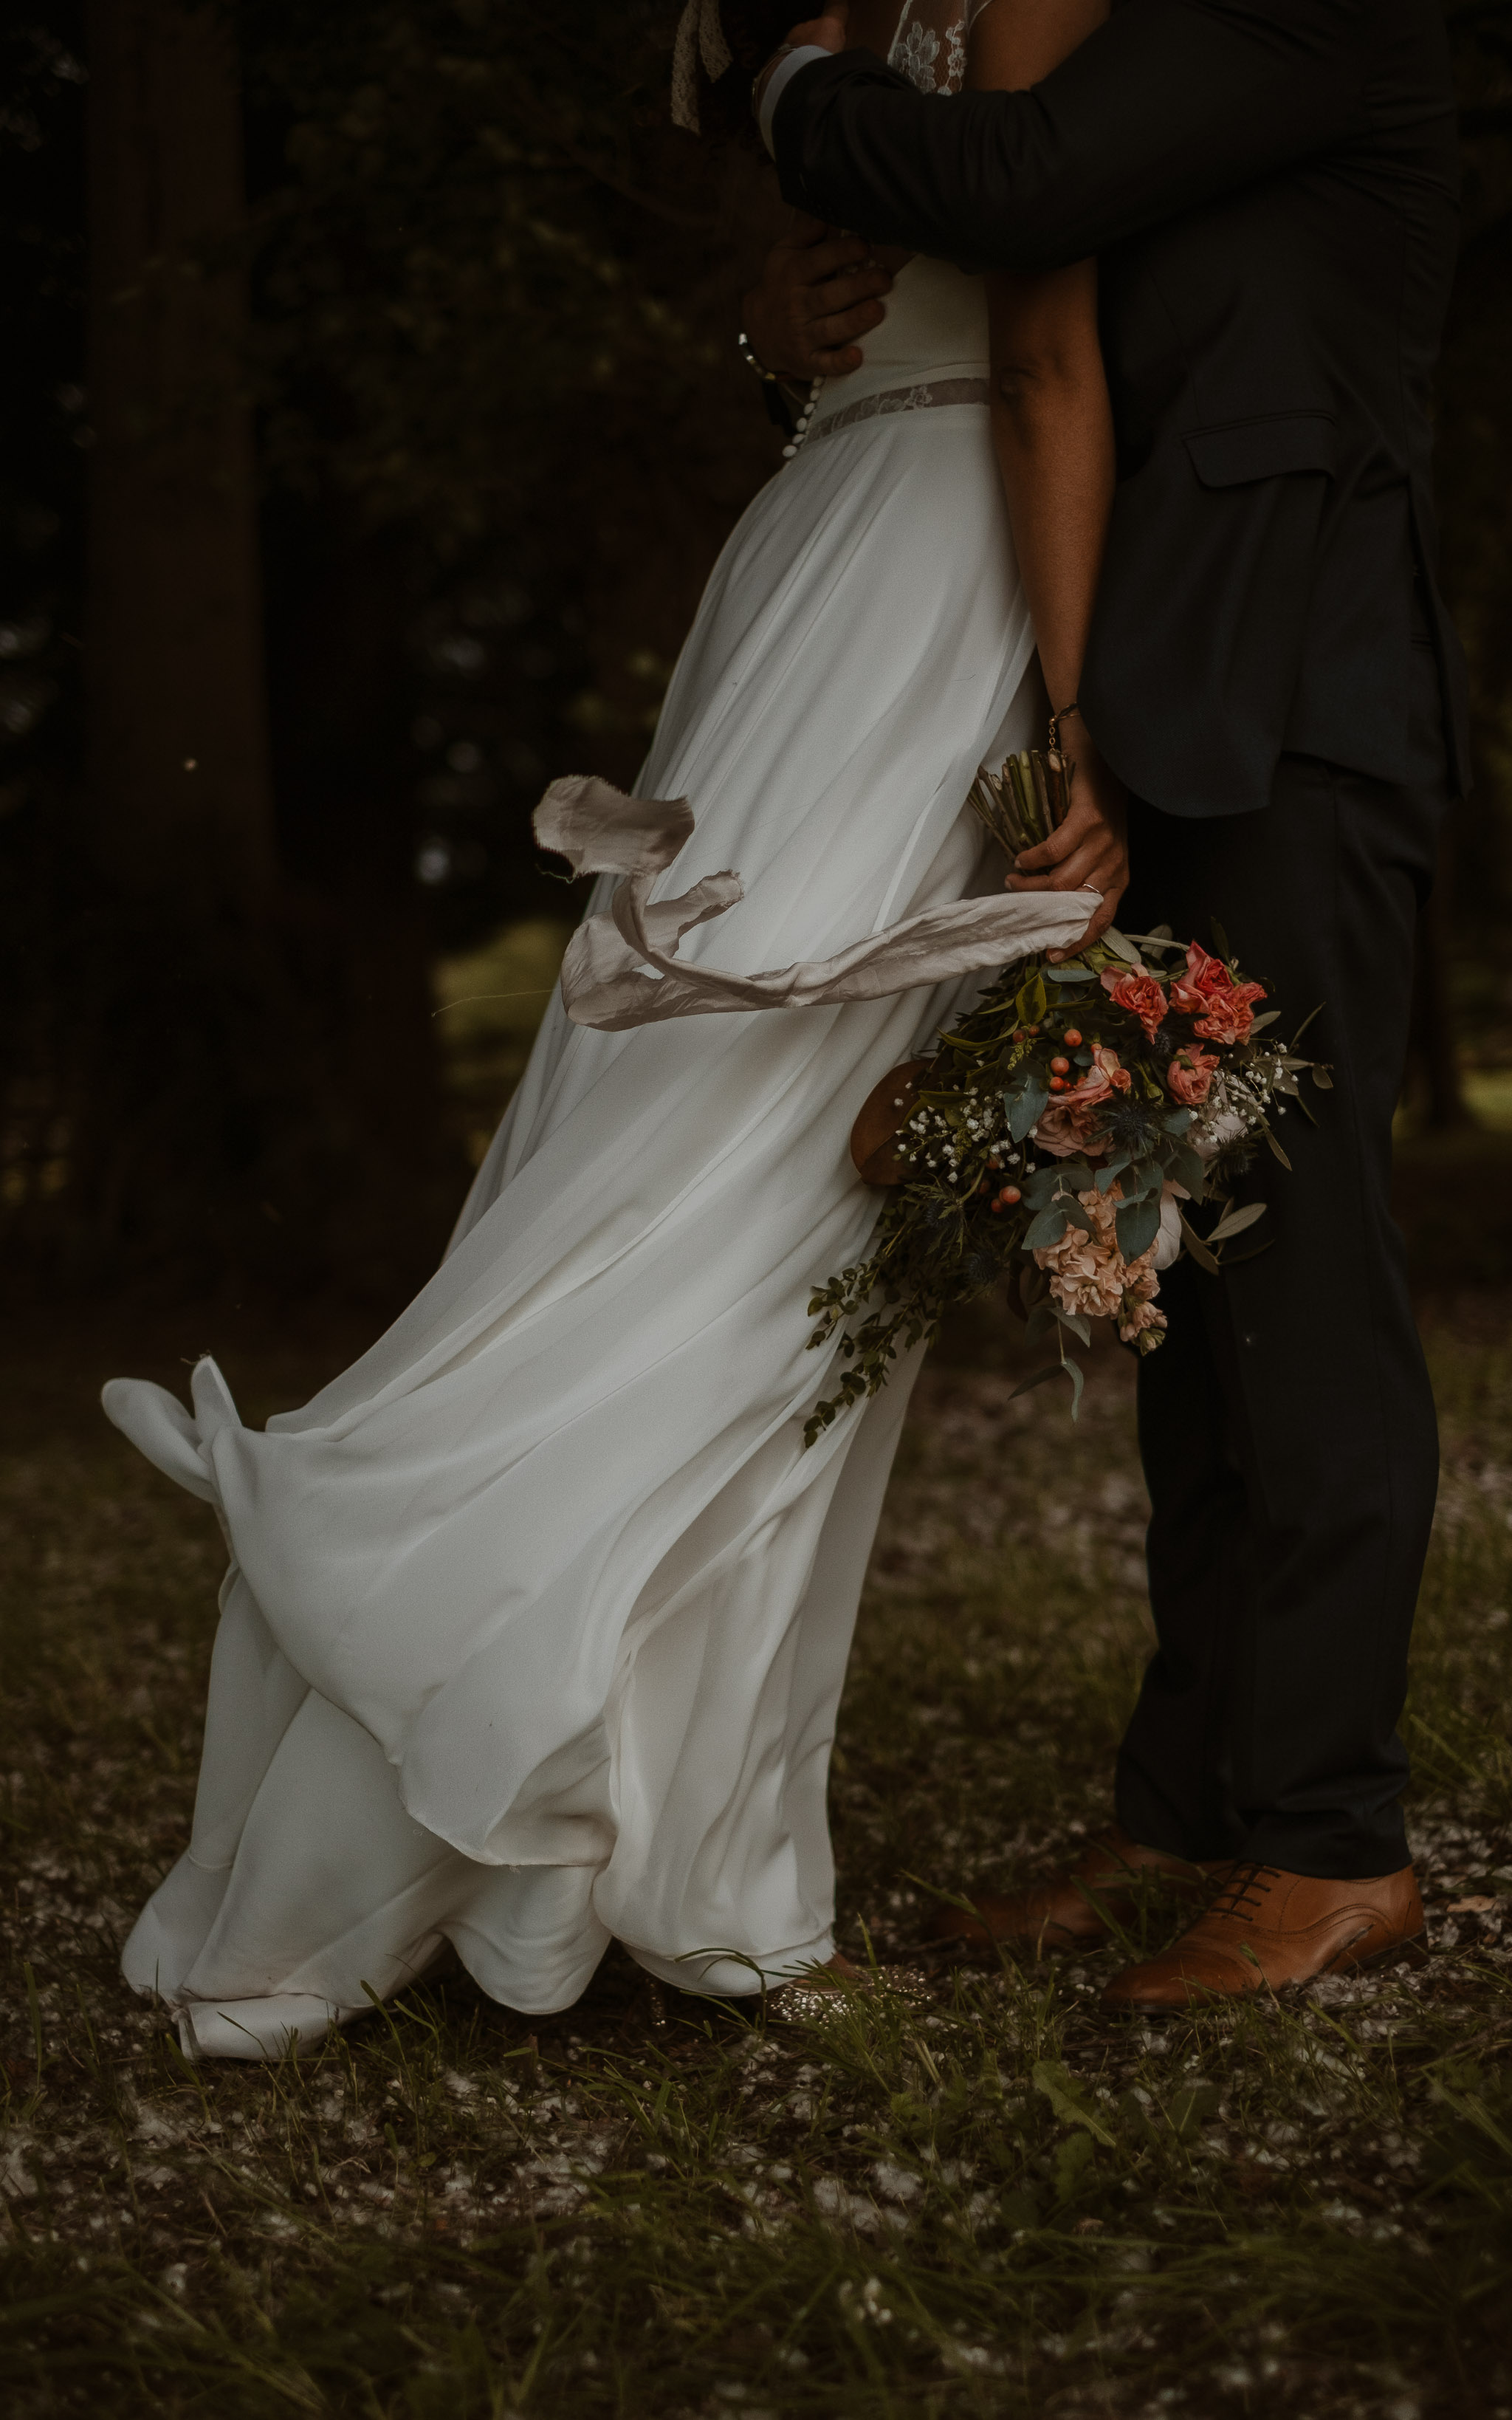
x=1271 y=192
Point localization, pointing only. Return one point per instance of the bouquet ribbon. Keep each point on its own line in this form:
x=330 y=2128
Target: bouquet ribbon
x=621 y=968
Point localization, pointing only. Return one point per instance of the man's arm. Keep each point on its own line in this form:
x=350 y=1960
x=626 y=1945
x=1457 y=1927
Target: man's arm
x=1170 y=104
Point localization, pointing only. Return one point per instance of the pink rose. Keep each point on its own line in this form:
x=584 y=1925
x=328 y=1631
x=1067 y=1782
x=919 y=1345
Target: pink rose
x=1136 y=990
x=1221 y=1009
x=1067 y=1126
x=1189 y=1076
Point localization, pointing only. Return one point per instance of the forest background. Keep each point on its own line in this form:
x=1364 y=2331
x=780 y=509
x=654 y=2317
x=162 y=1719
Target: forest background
x=370 y=416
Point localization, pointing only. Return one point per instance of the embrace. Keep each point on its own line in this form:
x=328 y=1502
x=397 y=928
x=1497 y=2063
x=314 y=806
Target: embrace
x=1109 y=404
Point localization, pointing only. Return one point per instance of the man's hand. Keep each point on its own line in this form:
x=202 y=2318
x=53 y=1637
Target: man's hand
x=1090 y=846
x=818 y=291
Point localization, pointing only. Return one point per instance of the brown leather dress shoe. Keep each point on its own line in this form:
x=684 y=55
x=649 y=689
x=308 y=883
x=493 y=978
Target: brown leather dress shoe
x=1069 y=1912
x=1264 y=1927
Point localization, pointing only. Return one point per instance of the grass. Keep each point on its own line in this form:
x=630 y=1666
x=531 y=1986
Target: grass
x=1001 y=2204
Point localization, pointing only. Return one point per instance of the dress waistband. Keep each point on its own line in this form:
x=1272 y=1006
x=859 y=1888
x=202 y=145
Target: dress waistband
x=903 y=399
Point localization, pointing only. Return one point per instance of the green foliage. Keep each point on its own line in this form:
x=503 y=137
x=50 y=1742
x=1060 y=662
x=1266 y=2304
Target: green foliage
x=484 y=218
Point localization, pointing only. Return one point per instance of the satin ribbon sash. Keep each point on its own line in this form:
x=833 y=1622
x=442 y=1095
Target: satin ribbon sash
x=621 y=968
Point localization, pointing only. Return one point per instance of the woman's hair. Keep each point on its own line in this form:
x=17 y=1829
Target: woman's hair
x=753 y=30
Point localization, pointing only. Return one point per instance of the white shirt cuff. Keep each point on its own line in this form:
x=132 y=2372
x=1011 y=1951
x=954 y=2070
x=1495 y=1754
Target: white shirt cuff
x=778 y=81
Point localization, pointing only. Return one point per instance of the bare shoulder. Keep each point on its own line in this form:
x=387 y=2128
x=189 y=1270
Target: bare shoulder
x=1013 y=43
x=872 y=26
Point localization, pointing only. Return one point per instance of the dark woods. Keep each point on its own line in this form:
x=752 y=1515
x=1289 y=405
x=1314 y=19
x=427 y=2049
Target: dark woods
x=371 y=417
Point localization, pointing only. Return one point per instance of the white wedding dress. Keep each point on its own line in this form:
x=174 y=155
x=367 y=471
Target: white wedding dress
x=537 y=1618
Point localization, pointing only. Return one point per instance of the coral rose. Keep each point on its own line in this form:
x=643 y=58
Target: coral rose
x=1069 y=1124
x=1189 y=1076
x=1221 y=1010
x=1136 y=989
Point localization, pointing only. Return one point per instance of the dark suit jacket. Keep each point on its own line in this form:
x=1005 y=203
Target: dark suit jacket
x=1271 y=186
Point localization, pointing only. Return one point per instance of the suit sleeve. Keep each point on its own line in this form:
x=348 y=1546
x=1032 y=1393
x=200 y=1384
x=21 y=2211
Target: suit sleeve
x=1170 y=104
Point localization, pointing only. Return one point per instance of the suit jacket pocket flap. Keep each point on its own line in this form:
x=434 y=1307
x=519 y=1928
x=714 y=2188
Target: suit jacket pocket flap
x=1262 y=449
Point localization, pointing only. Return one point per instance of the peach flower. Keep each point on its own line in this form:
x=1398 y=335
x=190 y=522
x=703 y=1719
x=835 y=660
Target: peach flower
x=1089 y=1274
x=1066 y=1126
x=1136 y=989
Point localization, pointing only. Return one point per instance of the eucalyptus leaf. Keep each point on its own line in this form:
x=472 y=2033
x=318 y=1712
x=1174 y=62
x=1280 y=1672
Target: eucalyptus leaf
x=1040 y=1188
x=1053 y=1370
x=1031 y=1001
x=1178 y=1122
x=1022 y=1105
x=1047 y=1228
x=1234 y=1222
x=1198 y=1249
x=1137 y=1224
x=1266 y=1016
x=1189 y=1169
x=1321 y=1077
x=1072 y=972
x=1120 y=946
x=1077 y=1321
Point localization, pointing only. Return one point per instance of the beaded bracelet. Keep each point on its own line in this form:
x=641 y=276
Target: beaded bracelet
x=747 y=354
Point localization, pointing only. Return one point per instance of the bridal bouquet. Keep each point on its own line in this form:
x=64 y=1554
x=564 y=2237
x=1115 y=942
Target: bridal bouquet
x=1056 y=1133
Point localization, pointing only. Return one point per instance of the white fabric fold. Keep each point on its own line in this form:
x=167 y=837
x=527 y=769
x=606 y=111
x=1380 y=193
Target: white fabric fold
x=621 y=968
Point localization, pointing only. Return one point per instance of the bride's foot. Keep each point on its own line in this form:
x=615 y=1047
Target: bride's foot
x=814 y=1996
x=778 y=2000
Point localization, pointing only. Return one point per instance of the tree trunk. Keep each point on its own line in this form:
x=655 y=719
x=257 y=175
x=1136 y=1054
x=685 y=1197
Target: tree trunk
x=179 y=776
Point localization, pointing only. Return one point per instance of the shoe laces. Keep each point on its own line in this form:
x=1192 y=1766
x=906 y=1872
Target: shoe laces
x=1243 y=1888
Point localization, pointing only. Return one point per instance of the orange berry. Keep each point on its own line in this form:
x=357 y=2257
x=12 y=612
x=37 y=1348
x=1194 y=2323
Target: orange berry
x=1060 y=1066
x=1011 y=1193
x=1073 y=1037
x=1057 y=1083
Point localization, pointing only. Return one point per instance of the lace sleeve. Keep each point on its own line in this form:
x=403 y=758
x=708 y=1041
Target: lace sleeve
x=930 y=45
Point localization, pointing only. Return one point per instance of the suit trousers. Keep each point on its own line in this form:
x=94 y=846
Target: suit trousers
x=1285 y=1425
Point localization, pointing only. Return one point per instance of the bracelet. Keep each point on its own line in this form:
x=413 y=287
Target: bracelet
x=747 y=354
x=1055 y=721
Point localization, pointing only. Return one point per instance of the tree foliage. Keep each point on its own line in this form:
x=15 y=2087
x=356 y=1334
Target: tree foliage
x=502 y=431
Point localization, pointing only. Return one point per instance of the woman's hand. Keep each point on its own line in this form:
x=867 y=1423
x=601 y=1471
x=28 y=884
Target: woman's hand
x=818 y=290
x=1091 y=848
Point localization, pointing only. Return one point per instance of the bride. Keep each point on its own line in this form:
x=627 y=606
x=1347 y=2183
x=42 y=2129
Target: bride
x=536 y=1620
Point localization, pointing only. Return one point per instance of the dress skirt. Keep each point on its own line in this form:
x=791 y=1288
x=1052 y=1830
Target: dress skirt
x=537 y=1618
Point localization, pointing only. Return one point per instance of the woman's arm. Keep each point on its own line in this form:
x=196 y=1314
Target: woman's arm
x=1053 y=434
